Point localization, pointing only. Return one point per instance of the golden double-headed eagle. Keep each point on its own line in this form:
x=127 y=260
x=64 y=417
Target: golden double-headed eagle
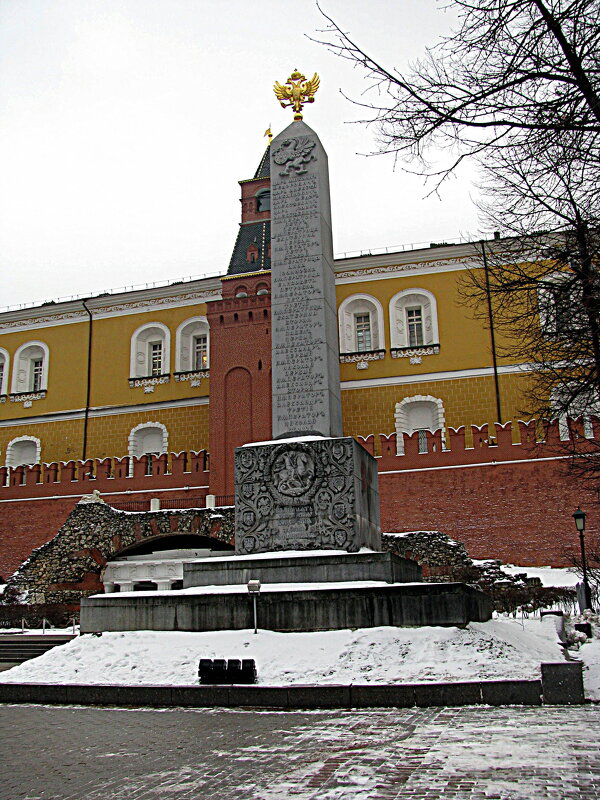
x=297 y=91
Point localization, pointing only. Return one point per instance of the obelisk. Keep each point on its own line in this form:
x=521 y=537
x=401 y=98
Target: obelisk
x=306 y=372
x=310 y=487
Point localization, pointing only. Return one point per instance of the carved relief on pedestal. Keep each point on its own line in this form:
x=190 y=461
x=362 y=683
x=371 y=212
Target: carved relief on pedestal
x=295 y=496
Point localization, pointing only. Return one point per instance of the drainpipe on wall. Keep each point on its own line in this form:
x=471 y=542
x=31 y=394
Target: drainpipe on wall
x=88 y=387
x=492 y=335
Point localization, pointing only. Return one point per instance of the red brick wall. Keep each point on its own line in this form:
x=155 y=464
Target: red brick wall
x=519 y=513
x=27 y=524
x=240 y=374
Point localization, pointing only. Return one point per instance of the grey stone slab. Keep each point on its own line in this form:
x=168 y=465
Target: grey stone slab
x=319 y=696
x=12 y=693
x=447 y=694
x=511 y=693
x=382 y=696
x=291 y=610
x=306 y=378
x=91 y=695
x=40 y=693
x=562 y=683
x=200 y=696
x=306 y=495
x=258 y=696
x=143 y=695
x=302 y=569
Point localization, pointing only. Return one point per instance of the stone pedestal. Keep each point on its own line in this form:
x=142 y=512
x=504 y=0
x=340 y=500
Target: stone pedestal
x=306 y=494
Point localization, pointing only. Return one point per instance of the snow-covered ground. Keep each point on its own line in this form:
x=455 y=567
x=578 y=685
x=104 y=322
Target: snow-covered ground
x=504 y=648
x=549 y=576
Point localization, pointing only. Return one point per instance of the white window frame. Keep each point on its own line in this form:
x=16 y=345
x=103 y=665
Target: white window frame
x=408 y=299
x=549 y=312
x=155 y=358
x=5 y=357
x=401 y=418
x=363 y=329
x=140 y=353
x=354 y=306
x=184 y=343
x=199 y=348
x=17 y=440
x=22 y=379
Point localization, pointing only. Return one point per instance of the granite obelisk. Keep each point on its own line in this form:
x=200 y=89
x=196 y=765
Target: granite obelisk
x=306 y=373
x=311 y=487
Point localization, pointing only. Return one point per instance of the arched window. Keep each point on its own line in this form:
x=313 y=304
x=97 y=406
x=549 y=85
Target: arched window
x=252 y=254
x=30 y=368
x=148 y=439
x=420 y=413
x=4 y=365
x=263 y=200
x=150 y=346
x=413 y=319
x=23 y=450
x=262 y=289
x=360 y=320
x=192 y=342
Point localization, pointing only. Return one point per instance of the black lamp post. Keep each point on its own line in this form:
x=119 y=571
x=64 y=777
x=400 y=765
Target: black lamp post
x=579 y=517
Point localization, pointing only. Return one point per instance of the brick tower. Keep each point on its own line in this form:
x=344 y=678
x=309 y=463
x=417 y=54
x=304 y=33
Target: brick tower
x=240 y=337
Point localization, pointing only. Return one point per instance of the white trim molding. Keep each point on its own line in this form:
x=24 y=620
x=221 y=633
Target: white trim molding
x=184 y=340
x=349 y=308
x=402 y=418
x=22 y=380
x=5 y=357
x=18 y=440
x=133 y=445
x=141 y=339
x=399 y=303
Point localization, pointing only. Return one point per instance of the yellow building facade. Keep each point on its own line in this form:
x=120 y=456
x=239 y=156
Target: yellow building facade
x=129 y=373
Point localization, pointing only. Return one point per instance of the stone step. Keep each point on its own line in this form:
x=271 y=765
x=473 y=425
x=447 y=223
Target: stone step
x=15 y=649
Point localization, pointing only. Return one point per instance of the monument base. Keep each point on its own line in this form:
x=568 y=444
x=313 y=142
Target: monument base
x=308 y=493
x=317 y=567
x=305 y=608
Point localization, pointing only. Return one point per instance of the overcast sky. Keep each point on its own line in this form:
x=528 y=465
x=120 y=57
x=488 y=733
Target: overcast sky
x=126 y=124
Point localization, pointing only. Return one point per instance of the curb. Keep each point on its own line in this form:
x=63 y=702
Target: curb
x=561 y=684
x=423 y=695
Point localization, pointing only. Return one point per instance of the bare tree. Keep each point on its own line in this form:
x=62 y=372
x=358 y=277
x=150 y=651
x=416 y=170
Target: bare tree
x=511 y=70
x=516 y=87
x=543 y=282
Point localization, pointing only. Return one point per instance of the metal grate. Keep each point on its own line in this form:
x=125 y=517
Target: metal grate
x=132 y=505
x=183 y=502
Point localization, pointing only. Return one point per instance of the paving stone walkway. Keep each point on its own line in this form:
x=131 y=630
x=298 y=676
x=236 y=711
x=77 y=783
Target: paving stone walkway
x=57 y=753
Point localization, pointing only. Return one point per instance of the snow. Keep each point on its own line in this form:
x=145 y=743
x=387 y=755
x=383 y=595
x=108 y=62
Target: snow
x=589 y=653
x=292 y=440
x=550 y=576
x=242 y=588
x=280 y=554
x=499 y=649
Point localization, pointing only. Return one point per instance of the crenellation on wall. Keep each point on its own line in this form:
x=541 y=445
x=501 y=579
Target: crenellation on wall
x=128 y=473
x=488 y=444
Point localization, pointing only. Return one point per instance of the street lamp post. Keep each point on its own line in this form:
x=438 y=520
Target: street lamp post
x=579 y=517
x=254 y=590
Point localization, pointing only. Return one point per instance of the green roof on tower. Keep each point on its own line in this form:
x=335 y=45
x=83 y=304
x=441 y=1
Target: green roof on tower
x=252 y=249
